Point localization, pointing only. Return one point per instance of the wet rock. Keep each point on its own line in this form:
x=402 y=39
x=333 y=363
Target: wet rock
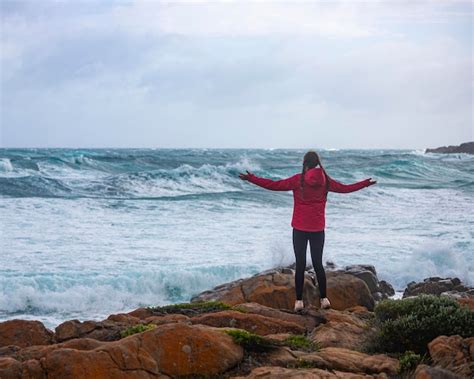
x=466 y=147
x=437 y=286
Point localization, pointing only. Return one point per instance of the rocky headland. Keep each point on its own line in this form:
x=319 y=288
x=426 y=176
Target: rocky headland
x=467 y=148
x=247 y=329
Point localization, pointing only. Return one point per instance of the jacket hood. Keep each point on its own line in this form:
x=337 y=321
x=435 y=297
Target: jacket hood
x=315 y=177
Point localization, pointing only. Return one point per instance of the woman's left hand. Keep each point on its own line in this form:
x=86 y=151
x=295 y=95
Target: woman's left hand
x=245 y=176
x=372 y=181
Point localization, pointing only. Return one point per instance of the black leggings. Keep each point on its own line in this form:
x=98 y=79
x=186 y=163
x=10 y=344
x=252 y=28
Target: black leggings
x=316 y=243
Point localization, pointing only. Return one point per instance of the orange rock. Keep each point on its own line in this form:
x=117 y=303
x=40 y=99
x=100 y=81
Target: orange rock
x=310 y=373
x=24 y=333
x=159 y=320
x=469 y=301
x=124 y=318
x=141 y=313
x=306 y=320
x=276 y=290
x=336 y=358
x=453 y=353
x=10 y=368
x=426 y=372
x=345 y=291
x=175 y=349
x=254 y=323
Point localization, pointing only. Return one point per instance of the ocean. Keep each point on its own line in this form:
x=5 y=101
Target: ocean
x=89 y=232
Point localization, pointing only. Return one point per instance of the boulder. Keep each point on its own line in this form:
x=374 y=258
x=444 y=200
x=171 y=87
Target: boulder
x=427 y=372
x=106 y=330
x=309 y=321
x=10 y=368
x=337 y=358
x=345 y=291
x=301 y=373
x=379 y=289
x=453 y=353
x=344 y=329
x=159 y=320
x=436 y=286
x=24 y=333
x=275 y=289
x=175 y=349
x=253 y=323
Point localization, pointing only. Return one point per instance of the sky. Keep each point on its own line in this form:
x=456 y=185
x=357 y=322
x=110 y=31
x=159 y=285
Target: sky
x=235 y=74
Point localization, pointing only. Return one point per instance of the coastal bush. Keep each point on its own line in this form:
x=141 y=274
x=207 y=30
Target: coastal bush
x=191 y=309
x=136 y=329
x=249 y=341
x=301 y=342
x=409 y=324
x=408 y=361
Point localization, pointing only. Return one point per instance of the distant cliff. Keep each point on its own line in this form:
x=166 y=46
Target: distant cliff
x=467 y=147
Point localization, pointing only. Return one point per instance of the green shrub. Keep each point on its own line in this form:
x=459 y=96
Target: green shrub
x=409 y=324
x=408 y=361
x=136 y=329
x=191 y=309
x=249 y=341
x=300 y=342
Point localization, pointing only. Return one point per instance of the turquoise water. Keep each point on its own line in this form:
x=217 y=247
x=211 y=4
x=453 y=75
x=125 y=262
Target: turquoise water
x=86 y=233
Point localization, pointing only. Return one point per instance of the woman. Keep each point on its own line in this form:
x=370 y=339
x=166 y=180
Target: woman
x=310 y=189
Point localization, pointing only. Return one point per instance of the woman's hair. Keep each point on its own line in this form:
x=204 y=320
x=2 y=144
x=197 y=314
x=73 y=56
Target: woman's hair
x=311 y=160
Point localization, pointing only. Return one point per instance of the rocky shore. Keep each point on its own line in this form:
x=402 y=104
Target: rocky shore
x=467 y=148
x=247 y=329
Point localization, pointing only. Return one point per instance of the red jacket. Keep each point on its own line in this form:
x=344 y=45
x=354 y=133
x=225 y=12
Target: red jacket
x=308 y=213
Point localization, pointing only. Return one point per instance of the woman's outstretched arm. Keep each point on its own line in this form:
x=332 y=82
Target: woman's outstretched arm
x=274 y=185
x=335 y=186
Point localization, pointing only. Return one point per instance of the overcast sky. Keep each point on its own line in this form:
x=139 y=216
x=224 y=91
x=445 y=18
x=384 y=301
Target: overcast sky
x=328 y=74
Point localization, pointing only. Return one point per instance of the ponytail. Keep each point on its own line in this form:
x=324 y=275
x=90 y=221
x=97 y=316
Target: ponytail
x=311 y=160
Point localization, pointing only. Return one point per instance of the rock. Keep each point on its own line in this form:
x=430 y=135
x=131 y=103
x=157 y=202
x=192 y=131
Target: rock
x=281 y=356
x=24 y=333
x=276 y=290
x=379 y=289
x=175 y=349
x=469 y=302
x=254 y=323
x=437 y=286
x=336 y=358
x=300 y=373
x=467 y=148
x=141 y=313
x=426 y=372
x=345 y=291
x=343 y=329
x=107 y=330
x=10 y=368
x=159 y=320
x=306 y=320
x=453 y=353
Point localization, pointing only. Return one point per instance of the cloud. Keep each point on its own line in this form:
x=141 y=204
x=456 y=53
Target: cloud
x=236 y=74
